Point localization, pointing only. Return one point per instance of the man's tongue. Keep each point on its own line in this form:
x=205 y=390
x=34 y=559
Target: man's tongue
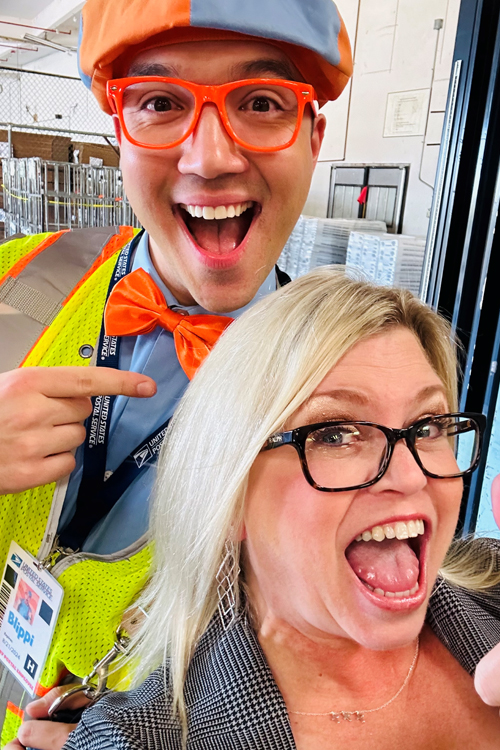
x=390 y=565
x=219 y=236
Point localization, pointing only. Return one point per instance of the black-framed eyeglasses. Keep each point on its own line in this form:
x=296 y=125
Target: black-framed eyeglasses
x=343 y=455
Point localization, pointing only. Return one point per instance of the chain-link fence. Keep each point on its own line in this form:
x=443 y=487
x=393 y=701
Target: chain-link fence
x=60 y=157
x=44 y=100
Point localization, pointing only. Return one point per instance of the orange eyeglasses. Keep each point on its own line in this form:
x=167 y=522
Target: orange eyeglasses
x=260 y=114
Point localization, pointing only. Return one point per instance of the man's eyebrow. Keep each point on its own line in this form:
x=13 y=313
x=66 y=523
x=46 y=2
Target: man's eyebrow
x=265 y=67
x=152 y=69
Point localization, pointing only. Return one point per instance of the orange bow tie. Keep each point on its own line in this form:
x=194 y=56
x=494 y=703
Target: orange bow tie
x=137 y=306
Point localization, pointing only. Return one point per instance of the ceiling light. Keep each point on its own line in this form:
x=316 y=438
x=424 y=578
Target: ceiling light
x=19 y=46
x=48 y=43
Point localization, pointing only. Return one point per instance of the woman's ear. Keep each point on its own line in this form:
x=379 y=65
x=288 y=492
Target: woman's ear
x=241 y=533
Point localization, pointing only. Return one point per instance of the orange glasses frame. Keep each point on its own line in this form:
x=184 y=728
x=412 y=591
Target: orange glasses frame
x=211 y=94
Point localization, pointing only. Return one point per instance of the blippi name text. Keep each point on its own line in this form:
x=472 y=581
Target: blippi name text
x=22 y=634
x=37 y=580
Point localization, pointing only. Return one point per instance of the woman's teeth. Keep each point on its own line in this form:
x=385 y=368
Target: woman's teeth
x=398 y=530
x=218 y=212
x=393 y=594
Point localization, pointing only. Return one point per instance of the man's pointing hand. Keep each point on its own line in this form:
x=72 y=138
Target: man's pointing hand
x=41 y=415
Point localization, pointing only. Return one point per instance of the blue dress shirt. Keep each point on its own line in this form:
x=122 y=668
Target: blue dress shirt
x=132 y=420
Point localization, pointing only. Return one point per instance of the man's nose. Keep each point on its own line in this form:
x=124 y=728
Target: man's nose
x=403 y=475
x=210 y=152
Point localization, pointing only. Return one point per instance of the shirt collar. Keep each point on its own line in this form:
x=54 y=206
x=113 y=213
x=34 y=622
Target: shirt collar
x=142 y=259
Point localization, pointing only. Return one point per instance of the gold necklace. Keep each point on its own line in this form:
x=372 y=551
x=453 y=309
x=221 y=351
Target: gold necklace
x=336 y=716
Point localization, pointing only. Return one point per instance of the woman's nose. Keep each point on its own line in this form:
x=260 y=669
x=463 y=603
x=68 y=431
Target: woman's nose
x=403 y=475
x=209 y=151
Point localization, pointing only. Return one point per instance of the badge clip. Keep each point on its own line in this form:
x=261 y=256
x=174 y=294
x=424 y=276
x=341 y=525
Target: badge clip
x=94 y=685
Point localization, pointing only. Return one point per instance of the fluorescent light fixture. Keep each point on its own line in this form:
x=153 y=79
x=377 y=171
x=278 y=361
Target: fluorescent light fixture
x=17 y=45
x=48 y=43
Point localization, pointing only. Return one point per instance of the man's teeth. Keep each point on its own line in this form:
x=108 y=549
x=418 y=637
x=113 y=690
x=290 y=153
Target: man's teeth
x=218 y=212
x=398 y=530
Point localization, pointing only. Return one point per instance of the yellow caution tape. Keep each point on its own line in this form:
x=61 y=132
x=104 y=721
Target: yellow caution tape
x=58 y=202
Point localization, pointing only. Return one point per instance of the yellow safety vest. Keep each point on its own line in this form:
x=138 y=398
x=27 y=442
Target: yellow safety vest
x=97 y=589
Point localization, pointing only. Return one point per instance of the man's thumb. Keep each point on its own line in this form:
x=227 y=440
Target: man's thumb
x=495 y=499
x=487 y=677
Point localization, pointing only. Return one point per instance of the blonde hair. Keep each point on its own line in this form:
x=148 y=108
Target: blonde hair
x=473 y=564
x=263 y=368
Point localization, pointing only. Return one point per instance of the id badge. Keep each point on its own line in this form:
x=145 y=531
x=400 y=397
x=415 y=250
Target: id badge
x=30 y=599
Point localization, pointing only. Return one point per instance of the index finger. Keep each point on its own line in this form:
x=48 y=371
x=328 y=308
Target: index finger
x=75 y=382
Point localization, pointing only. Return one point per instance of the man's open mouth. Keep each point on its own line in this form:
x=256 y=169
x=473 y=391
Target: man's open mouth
x=387 y=559
x=219 y=230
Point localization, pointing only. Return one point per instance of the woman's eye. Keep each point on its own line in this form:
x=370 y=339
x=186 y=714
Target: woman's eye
x=335 y=438
x=338 y=436
x=431 y=431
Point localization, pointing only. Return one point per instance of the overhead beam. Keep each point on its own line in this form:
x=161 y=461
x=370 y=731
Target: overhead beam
x=57 y=13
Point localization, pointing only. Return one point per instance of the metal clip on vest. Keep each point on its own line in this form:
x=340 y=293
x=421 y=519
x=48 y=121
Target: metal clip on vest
x=94 y=685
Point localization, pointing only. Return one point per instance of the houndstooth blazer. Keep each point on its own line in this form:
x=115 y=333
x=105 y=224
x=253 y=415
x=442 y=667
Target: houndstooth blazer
x=232 y=699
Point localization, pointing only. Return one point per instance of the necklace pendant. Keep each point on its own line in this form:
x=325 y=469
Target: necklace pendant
x=336 y=716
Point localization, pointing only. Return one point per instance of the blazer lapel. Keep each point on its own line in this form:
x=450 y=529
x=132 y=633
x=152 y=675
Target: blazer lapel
x=231 y=696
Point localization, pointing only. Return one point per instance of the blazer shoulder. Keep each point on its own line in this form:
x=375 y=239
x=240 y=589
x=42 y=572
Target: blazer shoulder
x=140 y=719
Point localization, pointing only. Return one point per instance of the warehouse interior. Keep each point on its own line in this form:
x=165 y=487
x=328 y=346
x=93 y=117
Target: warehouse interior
x=376 y=170
x=386 y=195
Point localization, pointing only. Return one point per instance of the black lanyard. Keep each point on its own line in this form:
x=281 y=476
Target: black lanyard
x=99 y=493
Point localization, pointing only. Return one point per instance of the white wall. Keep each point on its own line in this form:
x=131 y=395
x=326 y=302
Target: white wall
x=395 y=47
x=58 y=63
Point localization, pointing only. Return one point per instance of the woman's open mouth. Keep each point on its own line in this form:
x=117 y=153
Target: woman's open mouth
x=389 y=561
x=218 y=231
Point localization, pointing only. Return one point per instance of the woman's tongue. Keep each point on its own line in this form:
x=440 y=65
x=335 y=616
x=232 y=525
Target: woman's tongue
x=390 y=565
x=218 y=236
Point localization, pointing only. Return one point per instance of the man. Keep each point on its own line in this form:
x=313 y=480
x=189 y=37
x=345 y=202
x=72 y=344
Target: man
x=217 y=172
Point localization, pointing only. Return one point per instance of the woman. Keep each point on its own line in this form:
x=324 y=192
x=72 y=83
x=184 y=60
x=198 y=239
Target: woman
x=319 y=545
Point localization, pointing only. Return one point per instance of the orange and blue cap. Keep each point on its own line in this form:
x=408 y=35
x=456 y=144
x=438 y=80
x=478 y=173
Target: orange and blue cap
x=312 y=34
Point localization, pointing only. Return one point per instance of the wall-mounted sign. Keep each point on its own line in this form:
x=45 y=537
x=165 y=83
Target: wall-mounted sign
x=406 y=113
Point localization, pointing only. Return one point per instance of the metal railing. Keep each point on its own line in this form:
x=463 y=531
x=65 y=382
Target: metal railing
x=44 y=196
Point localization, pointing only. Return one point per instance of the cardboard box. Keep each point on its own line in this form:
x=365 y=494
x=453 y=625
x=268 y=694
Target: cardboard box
x=48 y=147
x=97 y=151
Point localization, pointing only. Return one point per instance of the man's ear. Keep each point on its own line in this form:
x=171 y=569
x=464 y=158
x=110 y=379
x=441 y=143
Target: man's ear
x=318 y=133
x=118 y=129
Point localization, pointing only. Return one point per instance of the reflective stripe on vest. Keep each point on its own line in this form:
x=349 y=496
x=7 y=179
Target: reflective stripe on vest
x=12 y=722
x=35 y=294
